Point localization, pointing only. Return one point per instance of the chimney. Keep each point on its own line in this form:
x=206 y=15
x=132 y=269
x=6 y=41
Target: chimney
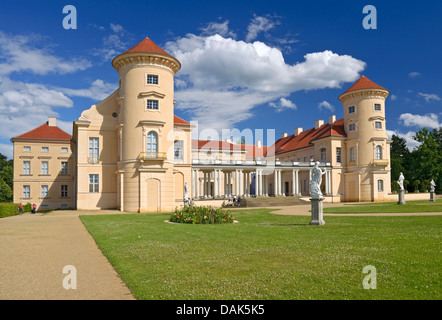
x=298 y=131
x=258 y=144
x=318 y=123
x=52 y=121
x=331 y=119
x=284 y=135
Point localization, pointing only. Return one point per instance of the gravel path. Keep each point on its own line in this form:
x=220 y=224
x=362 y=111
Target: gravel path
x=34 y=249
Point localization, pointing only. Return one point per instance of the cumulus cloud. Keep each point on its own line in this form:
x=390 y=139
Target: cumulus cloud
x=97 y=91
x=113 y=44
x=326 y=105
x=19 y=53
x=429 y=96
x=408 y=137
x=242 y=75
x=221 y=28
x=430 y=120
x=283 y=104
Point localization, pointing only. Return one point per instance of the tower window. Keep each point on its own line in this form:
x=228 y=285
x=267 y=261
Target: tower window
x=377 y=107
x=352 y=154
x=93 y=150
x=378 y=152
x=152 y=142
x=378 y=125
x=351 y=109
x=352 y=127
x=338 y=155
x=152 y=104
x=152 y=79
x=380 y=185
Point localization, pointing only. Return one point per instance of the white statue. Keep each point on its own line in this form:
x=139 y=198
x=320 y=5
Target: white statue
x=186 y=192
x=315 y=182
x=432 y=184
x=401 y=181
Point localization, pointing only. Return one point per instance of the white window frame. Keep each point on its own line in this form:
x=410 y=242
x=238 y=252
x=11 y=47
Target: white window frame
x=26 y=148
x=378 y=125
x=45 y=167
x=64 y=150
x=378 y=152
x=94 y=149
x=152 y=142
x=152 y=104
x=338 y=154
x=44 y=149
x=94 y=183
x=27 y=167
x=351 y=109
x=376 y=105
x=352 y=127
x=380 y=185
x=44 y=191
x=64 y=168
x=64 y=190
x=26 y=192
x=152 y=77
x=352 y=156
x=178 y=150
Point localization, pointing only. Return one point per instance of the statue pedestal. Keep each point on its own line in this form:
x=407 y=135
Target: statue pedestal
x=317 y=212
x=432 y=196
x=401 y=195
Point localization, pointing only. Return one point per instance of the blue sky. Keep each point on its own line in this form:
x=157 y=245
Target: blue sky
x=245 y=64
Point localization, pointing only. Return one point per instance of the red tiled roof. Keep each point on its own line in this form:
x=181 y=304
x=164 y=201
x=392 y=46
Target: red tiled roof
x=45 y=132
x=305 y=138
x=147 y=46
x=179 y=121
x=363 y=83
x=253 y=152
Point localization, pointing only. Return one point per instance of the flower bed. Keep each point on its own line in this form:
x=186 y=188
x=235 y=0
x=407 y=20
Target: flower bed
x=201 y=215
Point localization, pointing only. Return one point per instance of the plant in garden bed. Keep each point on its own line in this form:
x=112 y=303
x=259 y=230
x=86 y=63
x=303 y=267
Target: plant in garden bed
x=201 y=215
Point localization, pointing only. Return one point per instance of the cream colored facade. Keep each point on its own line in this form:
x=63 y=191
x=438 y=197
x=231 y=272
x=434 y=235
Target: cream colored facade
x=44 y=172
x=130 y=152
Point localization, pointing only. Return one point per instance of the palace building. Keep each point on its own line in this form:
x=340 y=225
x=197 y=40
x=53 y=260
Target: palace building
x=131 y=152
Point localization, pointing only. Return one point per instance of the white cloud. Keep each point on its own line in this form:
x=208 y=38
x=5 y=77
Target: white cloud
x=243 y=75
x=326 y=105
x=430 y=120
x=221 y=28
x=283 y=104
x=259 y=24
x=6 y=150
x=97 y=91
x=393 y=97
x=408 y=137
x=429 y=96
x=114 y=44
x=414 y=74
x=19 y=54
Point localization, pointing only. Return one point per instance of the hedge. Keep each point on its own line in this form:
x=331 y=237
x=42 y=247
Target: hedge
x=11 y=209
x=201 y=215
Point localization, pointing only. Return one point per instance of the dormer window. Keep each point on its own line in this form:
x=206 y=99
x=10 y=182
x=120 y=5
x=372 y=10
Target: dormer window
x=152 y=79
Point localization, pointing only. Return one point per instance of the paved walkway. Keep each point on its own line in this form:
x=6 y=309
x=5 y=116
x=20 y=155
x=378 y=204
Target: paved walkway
x=34 y=249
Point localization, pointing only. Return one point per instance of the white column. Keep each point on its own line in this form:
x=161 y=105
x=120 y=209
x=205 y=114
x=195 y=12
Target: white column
x=298 y=182
x=220 y=174
x=281 y=186
x=260 y=183
x=215 y=182
x=256 y=183
x=293 y=183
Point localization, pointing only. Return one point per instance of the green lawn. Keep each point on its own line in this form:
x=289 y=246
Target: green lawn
x=392 y=207
x=267 y=256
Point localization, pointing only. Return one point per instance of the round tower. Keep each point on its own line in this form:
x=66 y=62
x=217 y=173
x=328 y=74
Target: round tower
x=367 y=175
x=146 y=116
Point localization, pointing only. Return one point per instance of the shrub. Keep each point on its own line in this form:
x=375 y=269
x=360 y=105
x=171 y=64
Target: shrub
x=201 y=215
x=11 y=209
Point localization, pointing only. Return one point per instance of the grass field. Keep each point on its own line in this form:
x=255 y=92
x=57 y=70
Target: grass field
x=390 y=207
x=267 y=256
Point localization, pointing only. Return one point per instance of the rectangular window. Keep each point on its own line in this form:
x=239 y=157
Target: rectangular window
x=338 y=155
x=44 y=149
x=26 y=148
x=351 y=109
x=64 y=150
x=64 y=191
x=26 y=167
x=152 y=104
x=377 y=107
x=352 y=127
x=44 y=191
x=378 y=125
x=152 y=79
x=93 y=183
x=323 y=154
x=178 y=149
x=352 y=154
x=380 y=185
x=93 y=150
x=26 y=192
x=44 y=167
x=64 y=168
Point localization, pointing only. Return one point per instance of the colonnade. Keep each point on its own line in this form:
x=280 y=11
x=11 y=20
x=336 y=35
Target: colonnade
x=213 y=182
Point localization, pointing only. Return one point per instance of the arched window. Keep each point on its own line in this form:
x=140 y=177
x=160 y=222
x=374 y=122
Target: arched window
x=352 y=154
x=152 y=142
x=380 y=185
x=378 y=152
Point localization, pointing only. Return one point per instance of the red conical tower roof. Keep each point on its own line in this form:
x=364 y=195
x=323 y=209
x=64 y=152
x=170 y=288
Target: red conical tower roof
x=147 y=46
x=363 y=83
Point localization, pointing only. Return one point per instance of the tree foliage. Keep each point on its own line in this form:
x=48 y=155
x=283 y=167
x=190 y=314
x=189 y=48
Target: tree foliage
x=423 y=164
x=6 y=179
